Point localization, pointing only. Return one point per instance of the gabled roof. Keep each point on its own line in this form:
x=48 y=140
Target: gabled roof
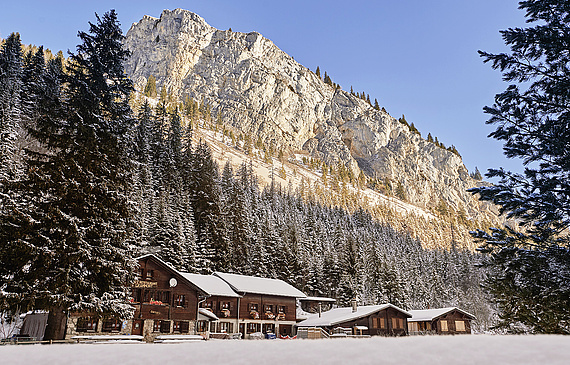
x=172 y=270
x=341 y=315
x=255 y=285
x=211 y=284
x=432 y=314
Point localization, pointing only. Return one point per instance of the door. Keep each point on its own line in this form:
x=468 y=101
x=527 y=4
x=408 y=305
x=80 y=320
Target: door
x=138 y=327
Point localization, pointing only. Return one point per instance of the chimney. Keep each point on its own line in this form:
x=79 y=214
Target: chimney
x=320 y=309
x=354 y=307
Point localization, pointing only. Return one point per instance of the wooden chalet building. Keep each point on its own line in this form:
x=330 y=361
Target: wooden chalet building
x=168 y=301
x=442 y=321
x=264 y=305
x=373 y=320
x=165 y=302
x=222 y=301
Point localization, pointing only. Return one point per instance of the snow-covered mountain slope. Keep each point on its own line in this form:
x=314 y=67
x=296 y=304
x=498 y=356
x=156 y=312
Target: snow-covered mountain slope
x=261 y=91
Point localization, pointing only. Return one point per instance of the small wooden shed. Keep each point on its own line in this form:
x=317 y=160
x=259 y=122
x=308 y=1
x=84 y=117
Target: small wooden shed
x=442 y=321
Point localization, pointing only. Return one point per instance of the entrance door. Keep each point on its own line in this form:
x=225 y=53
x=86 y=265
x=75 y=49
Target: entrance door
x=285 y=330
x=242 y=330
x=138 y=327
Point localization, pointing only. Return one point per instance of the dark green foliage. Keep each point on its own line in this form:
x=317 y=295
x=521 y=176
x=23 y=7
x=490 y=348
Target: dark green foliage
x=66 y=237
x=11 y=109
x=530 y=268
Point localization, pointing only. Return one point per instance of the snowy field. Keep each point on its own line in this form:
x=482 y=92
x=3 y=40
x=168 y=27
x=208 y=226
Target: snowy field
x=474 y=349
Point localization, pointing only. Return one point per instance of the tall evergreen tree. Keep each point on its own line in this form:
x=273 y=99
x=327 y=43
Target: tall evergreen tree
x=77 y=221
x=530 y=267
x=10 y=102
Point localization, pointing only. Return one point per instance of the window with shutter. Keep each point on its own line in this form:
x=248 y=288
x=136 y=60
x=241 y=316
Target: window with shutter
x=165 y=326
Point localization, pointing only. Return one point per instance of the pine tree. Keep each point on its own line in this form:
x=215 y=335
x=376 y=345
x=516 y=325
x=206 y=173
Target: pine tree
x=76 y=221
x=376 y=105
x=10 y=103
x=530 y=267
x=318 y=72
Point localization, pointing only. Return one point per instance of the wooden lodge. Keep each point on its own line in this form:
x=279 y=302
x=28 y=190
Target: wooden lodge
x=165 y=303
x=172 y=303
x=441 y=321
x=370 y=320
x=265 y=306
x=169 y=302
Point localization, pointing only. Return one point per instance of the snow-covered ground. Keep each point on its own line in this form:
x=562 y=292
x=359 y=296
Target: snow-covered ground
x=467 y=349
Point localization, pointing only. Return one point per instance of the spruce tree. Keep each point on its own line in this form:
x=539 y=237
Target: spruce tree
x=10 y=102
x=530 y=264
x=77 y=218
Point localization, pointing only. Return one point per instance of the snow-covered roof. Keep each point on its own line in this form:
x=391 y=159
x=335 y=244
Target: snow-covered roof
x=211 y=285
x=341 y=315
x=318 y=299
x=255 y=285
x=431 y=314
x=207 y=314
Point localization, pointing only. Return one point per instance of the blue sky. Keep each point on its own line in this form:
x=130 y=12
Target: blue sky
x=417 y=57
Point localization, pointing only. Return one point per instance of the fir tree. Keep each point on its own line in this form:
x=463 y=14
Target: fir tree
x=10 y=102
x=76 y=221
x=530 y=268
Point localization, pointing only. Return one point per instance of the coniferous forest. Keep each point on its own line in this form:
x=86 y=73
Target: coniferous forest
x=87 y=184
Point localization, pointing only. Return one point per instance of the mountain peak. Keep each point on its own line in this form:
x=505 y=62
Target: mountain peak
x=260 y=91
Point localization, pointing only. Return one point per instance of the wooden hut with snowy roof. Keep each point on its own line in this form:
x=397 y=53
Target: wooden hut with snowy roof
x=442 y=321
x=374 y=320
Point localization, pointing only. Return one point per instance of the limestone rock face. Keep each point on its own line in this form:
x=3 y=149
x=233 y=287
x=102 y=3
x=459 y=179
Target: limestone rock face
x=260 y=90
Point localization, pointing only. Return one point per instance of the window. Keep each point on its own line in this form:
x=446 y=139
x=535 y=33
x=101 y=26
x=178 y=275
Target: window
x=161 y=326
x=202 y=326
x=374 y=322
x=253 y=307
x=413 y=326
x=460 y=326
x=87 y=324
x=443 y=325
x=226 y=327
x=281 y=309
x=225 y=305
x=253 y=327
x=150 y=275
x=382 y=322
x=180 y=300
x=268 y=308
x=397 y=323
x=136 y=296
x=181 y=326
x=112 y=325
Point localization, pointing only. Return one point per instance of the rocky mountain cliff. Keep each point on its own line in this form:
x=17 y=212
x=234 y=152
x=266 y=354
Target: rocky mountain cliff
x=260 y=90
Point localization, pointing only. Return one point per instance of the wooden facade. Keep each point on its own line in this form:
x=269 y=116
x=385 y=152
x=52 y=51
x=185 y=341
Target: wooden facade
x=376 y=320
x=164 y=301
x=443 y=321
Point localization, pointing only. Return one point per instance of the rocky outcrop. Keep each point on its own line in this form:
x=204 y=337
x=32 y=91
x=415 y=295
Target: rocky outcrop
x=260 y=90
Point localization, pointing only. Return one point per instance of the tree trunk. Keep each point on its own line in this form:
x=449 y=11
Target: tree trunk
x=56 y=324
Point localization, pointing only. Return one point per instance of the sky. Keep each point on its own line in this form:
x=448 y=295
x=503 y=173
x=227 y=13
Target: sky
x=417 y=57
